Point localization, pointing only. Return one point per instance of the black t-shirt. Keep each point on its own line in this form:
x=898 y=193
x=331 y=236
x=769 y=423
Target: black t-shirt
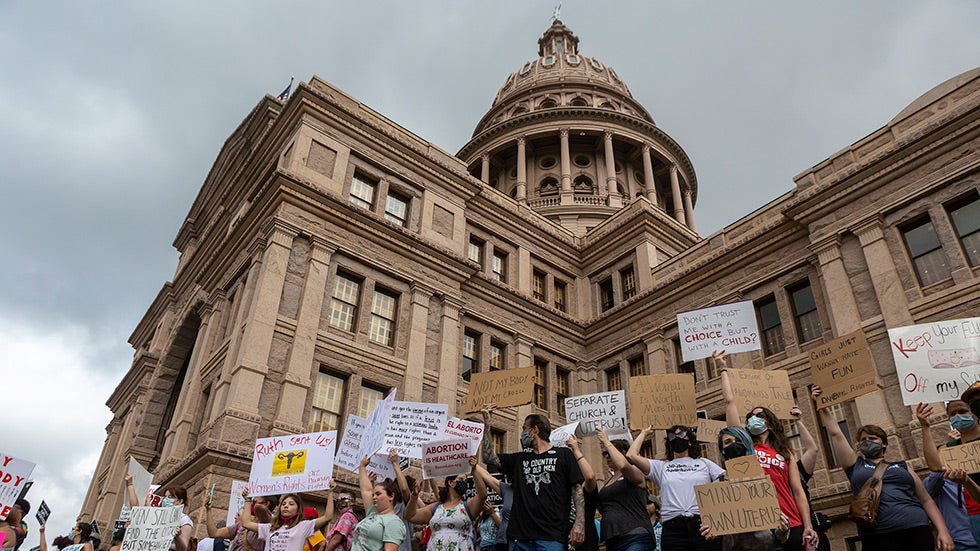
x=542 y=485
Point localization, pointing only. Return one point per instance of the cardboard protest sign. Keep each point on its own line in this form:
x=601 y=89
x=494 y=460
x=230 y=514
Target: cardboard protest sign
x=460 y=428
x=843 y=369
x=738 y=507
x=729 y=327
x=292 y=464
x=562 y=434
x=411 y=425
x=662 y=401
x=448 y=457
x=373 y=436
x=604 y=410
x=504 y=387
x=756 y=387
x=142 y=479
x=13 y=475
x=152 y=528
x=235 y=500
x=43 y=512
x=744 y=467
x=349 y=449
x=964 y=456
x=708 y=429
x=937 y=361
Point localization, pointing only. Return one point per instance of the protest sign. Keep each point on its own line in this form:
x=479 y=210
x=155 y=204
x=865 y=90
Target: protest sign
x=118 y=524
x=43 y=512
x=708 y=429
x=412 y=424
x=756 y=387
x=493 y=498
x=964 y=456
x=504 y=387
x=380 y=468
x=152 y=528
x=292 y=464
x=235 y=500
x=604 y=410
x=460 y=428
x=561 y=434
x=729 y=327
x=13 y=474
x=95 y=528
x=843 y=369
x=349 y=449
x=744 y=467
x=448 y=457
x=662 y=401
x=142 y=479
x=373 y=436
x=936 y=361
x=738 y=507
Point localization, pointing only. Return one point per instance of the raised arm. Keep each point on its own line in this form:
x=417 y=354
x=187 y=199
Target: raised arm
x=134 y=500
x=322 y=520
x=488 y=479
x=399 y=475
x=43 y=543
x=842 y=448
x=248 y=522
x=476 y=502
x=213 y=532
x=809 y=457
x=414 y=513
x=933 y=460
x=629 y=471
x=486 y=445
x=588 y=473
x=633 y=454
x=731 y=409
x=364 y=481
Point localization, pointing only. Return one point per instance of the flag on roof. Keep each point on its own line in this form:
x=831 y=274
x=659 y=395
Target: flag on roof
x=284 y=95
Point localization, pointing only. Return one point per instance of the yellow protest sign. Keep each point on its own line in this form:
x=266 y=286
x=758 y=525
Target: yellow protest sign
x=662 y=401
x=843 y=369
x=757 y=387
x=504 y=387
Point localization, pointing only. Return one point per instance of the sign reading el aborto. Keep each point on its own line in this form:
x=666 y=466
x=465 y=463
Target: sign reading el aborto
x=738 y=507
x=152 y=528
x=964 y=456
x=14 y=473
x=662 y=401
x=843 y=369
x=504 y=387
x=755 y=387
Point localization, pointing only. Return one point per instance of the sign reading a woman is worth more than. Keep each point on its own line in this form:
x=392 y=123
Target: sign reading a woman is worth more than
x=662 y=401
x=504 y=387
x=292 y=464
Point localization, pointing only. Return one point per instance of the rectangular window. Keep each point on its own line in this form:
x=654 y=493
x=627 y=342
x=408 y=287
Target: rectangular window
x=805 y=308
x=614 y=379
x=605 y=294
x=475 y=251
x=497 y=360
x=383 y=310
x=628 y=278
x=537 y=285
x=369 y=400
x=499 y=266
x=838 y=411
x=471 y=354
x=328 y=402
x=561 y=381
x=966 y=219
x=560 y=300
x=931 y=265
x=637 y=366
x=682 y=366
x=362 y=190
x=497 y=440
x=396 y=208
x=540 y=383
x=772 y=330
x=343 y=305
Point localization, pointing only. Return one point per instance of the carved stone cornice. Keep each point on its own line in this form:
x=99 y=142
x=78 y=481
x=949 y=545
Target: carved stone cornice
x=869 y=231
x=827 y=250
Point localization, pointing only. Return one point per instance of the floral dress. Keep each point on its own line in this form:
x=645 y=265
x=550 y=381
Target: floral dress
x=452 y=529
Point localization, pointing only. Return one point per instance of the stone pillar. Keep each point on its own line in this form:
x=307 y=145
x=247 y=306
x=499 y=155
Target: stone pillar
x=415 y=361
x=675 y=193
x=656 y=355
x=449 y=356
x=567 y=193
x=485 y=168
x=524 y=270
x=646 y=261
x=689 y=210
x=522 y=349
x=884 y=275
x=297 y=380
x=521 y=170
x=651 y=185
x=615 y=196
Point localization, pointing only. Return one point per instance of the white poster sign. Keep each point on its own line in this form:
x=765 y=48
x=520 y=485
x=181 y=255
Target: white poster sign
x=348 y=451
x=936 y=361
x=460 y=428
x=235 y=501
x=412 y=424
x=142 y=479
x=152 y=528
x=729 y=327
x=373 y=436
x=292 y=464
x=561 y=434
x=14 y=473
x=449 y=457
x=604 y=410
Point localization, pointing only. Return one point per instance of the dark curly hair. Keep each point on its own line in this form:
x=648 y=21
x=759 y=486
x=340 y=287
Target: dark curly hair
x=777 y=436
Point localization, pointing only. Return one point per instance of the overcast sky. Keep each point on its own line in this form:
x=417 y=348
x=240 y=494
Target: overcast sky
x=111 y=114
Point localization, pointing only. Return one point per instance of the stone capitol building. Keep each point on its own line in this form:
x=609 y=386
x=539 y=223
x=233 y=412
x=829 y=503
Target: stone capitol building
x=331 y=256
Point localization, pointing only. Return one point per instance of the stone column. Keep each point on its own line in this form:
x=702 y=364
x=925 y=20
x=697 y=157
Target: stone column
x=524 y=358
x=567 y=193
x=449 y=356
x=675 y=193
x=521 y=170
x=299 y=370
x=646 y=260
x=651 y=185
x=524 y=270
x=415 y=361
x=884 y=275
x=485 y=168
x=837 y=287
x=689 y=210
x=615 y=197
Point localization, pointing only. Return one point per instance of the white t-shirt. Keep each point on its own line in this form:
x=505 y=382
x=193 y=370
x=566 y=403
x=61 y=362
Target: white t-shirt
x=677 y=479
x=287 y=539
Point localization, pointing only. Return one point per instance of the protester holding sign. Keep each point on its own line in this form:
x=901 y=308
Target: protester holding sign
x=805 y=464
x=776 y=459
x=172 y=495
x=241 y=539
x=503 y=489
x=452 y=518
x=625 y=524
x=905 y=509
x=287 y=531
x=590 y=493
x=381 y=529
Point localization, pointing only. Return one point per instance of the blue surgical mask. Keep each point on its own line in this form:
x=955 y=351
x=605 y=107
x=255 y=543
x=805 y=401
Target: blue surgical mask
x=756 y=425
x=962 y=422
x=167 y=502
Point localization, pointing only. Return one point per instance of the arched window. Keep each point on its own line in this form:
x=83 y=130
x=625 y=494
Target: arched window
x=549 y=186
x=579 y=101
x=583 y=184
x=547 y=104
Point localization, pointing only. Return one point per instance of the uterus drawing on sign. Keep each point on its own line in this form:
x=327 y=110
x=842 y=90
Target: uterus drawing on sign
x=954 y=359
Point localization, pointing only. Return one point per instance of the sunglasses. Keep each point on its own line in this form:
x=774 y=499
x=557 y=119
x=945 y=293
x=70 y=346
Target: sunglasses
x=676 y=435
x=761 y=415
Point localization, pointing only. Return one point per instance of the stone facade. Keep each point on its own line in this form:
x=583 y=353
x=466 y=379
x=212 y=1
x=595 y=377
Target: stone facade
x=331 y=256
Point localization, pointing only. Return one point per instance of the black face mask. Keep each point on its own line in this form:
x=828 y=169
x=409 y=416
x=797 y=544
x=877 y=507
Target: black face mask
x=733 y=450
x=461 y=486
x=680 y=445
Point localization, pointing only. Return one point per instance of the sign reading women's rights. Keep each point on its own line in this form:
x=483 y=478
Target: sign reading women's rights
x=448 y=457
x=729 y=327
x=936 y=361
x=412 y=424
x=460 y=428
x=14 y=473
x=292 y=464
x=152 y=528
x=604 y=410
x=843 y=369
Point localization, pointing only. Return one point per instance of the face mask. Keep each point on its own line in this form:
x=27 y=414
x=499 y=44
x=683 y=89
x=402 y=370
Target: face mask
x=167 y=502
x=756 y=425
x=461 y=486
x=962 y=422
x=733 y=450
x=871 y=449
x=527 y=439
x=680 y=445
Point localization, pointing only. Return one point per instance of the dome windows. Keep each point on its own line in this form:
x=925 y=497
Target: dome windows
x=548 y=104
x=526 y=68
x=579 y=101
x=572 y=59
x=582 y=161
x=595 y=64
x=548 y=62
x=549 y=186
x=547 y=162
x=583 y=184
